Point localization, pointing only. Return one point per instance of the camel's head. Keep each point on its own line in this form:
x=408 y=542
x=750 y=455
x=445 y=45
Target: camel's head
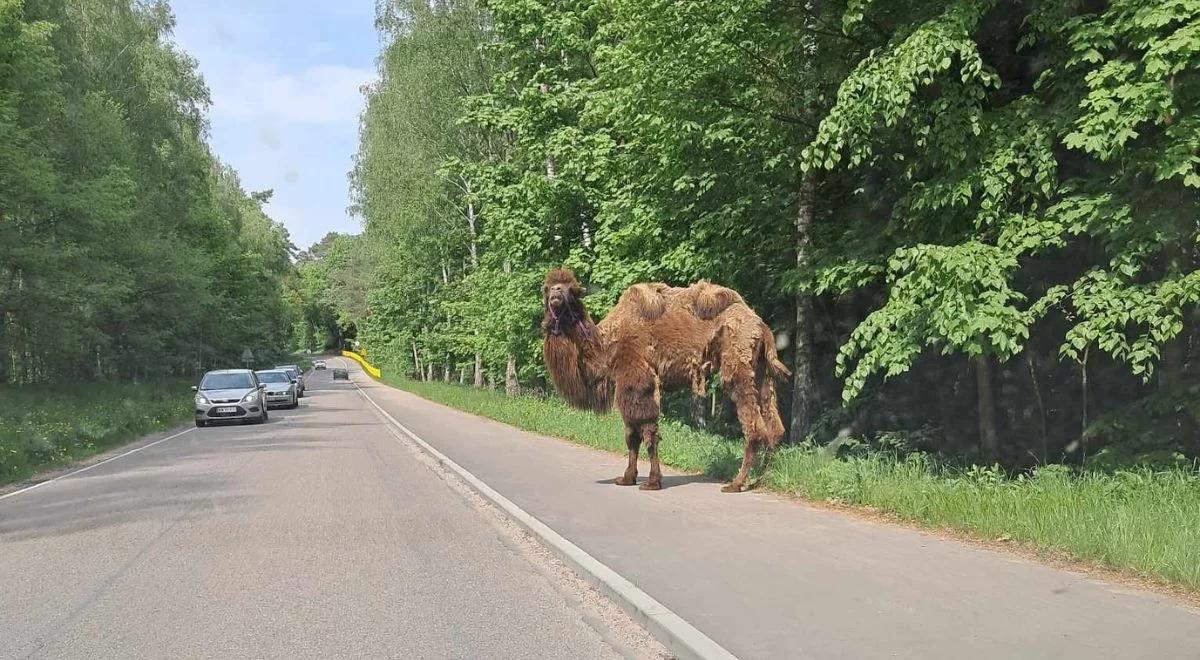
x=562 y=296
x=562 y=292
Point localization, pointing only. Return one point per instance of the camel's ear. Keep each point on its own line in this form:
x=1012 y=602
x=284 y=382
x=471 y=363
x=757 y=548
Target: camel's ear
x=711 y=300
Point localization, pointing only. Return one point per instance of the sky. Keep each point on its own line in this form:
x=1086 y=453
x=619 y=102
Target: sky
x=285 y=79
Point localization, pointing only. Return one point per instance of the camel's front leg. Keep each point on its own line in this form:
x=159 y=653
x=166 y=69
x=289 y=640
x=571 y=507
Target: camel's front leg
x=650 y=435
x=633 y=440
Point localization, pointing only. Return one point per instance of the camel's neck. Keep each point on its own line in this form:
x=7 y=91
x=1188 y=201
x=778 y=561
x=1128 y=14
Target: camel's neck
x=576 y=358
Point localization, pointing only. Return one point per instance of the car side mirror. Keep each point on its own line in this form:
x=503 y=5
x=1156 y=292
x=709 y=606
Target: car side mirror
x=195 y=389
x=262 y=386
x=293 y=381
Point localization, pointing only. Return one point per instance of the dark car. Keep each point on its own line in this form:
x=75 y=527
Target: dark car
x=341 y=374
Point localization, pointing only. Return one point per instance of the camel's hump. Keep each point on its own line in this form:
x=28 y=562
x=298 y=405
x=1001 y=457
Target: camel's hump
x=703 y=299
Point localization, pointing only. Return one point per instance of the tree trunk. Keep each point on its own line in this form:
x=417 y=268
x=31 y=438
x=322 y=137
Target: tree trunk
x=1174 y=359
x=511 y=386
x=803 y=382
x=699 y=408
x=446 y=373
x=478 y=370
x=1083 y=389
x=471 y=225
x=416 y=361
x=989 y=443
x=1041 y=404
x=429 y=372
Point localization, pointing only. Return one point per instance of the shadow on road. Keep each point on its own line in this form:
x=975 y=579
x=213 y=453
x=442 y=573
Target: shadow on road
x=85 y=503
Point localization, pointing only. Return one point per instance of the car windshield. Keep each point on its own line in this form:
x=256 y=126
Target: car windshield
x=227 y=381
x=272 y=376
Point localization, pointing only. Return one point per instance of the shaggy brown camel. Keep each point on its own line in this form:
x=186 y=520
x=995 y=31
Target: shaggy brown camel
x=660 y=338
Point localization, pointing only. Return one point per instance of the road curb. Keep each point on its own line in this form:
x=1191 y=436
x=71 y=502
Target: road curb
x=680 y=637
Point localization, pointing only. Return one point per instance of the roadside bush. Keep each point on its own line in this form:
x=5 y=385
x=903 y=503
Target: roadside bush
x=41 y=426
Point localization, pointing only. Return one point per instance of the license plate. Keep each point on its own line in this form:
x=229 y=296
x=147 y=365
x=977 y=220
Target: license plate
x=227 y=409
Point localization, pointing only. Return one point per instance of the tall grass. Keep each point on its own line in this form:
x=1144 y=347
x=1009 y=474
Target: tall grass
x=45 y=426
x=1140 y=521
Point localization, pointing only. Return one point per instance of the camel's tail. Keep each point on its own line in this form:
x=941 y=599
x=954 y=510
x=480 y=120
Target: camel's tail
x=776 y=368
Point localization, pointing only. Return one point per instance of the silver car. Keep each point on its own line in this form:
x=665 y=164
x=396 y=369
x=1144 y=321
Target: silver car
x=297 y=374
x=230 y=395
x=280 y=388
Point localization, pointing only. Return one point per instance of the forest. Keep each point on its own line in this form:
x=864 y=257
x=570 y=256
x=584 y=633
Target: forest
x=128 y=250
x=972 y=224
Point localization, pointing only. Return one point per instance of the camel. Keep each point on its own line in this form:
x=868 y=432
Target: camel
x=661 y=338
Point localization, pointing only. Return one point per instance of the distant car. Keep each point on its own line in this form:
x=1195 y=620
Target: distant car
x=319 y=364
x=281 y=388
x=230 y=395
x=341 y=374
x=297 y=374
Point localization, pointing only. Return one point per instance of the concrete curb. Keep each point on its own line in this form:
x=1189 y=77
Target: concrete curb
x=683 y=639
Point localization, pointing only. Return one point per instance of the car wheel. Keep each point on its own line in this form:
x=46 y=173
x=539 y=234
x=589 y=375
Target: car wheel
x=264 y=416
x=201 y=423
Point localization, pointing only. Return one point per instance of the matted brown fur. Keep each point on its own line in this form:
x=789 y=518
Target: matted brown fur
x=661 y=338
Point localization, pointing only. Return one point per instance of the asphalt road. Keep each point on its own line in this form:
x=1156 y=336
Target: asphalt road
x=317 y=534
x=767 y=577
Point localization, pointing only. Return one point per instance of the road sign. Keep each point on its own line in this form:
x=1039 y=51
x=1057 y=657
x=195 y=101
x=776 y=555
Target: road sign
x=247 y=357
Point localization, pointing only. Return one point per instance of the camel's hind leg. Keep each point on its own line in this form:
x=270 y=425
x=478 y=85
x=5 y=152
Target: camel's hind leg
x=753 y=391
x=633 y=442
x=746 y=400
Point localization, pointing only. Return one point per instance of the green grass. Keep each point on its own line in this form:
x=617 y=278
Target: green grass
x=1142 y=522
x=45 y=426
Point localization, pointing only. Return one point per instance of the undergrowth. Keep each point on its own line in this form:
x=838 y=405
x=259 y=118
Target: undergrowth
x=46 y=426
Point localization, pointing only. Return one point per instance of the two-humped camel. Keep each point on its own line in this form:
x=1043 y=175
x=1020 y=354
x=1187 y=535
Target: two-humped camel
x=660 y=338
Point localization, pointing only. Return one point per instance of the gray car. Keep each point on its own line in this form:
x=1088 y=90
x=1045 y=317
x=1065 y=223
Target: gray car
x=297 y=374
x=230 y=395
x=280 y=388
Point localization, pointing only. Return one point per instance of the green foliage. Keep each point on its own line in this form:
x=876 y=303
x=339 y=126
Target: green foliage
x=126 y=248
x=1009 y=182
x=42 y=426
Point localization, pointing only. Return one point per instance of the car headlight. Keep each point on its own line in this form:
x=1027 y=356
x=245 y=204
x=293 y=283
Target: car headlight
x=200 y=400
x=250 y=396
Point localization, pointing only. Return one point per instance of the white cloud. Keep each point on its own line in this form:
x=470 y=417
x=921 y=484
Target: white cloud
x=324 y=94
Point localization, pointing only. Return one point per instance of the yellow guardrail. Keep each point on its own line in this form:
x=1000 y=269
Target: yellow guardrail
x=367 y=367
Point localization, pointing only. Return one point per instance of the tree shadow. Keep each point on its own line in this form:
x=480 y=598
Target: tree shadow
x=83 y=504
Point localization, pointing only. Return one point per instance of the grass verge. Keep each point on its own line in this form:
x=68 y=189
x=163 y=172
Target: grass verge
x=45 y=426
x=1142 y=522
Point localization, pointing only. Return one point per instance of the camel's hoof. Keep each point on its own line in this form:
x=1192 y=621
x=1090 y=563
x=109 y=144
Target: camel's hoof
x=650 y=485
x=622 y=481
x=732 y=488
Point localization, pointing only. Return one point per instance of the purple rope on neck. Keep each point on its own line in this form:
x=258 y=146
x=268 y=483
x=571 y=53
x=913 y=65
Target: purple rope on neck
x=556 y=326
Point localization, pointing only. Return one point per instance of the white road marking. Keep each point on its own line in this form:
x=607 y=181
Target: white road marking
x=95 y=465
x=683 y=639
